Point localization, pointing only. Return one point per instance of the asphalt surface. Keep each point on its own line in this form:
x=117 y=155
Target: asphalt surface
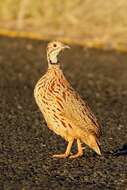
x=26 y=144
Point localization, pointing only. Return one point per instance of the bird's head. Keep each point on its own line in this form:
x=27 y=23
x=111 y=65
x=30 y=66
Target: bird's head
x=53 y=50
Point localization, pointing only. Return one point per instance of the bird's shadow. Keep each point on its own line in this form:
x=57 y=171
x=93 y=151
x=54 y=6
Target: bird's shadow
x=121 y=151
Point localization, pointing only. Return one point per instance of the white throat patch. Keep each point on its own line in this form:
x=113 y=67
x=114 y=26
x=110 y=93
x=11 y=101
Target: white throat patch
x=53 y=57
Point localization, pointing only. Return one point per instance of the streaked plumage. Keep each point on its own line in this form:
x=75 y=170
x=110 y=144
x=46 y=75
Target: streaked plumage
x=63 y=109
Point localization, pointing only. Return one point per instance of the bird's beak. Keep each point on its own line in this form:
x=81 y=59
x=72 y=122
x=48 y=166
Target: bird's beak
x=65 y=47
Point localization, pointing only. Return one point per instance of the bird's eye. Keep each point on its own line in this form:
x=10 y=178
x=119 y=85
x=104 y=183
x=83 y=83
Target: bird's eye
x=54 y=45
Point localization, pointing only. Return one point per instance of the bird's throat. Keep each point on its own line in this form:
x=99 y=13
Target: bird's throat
x=53 y=61
x=52 y=58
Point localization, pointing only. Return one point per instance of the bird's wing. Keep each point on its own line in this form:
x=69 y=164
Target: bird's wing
x=78 y=112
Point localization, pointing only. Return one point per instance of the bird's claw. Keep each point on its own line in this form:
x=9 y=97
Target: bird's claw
x=60 y=155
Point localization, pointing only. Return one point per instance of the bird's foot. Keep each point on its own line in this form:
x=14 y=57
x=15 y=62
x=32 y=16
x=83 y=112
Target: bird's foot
x=78 y=154
x=60 y=155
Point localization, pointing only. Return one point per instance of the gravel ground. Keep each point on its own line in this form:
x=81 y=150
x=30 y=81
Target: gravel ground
x=26 y=144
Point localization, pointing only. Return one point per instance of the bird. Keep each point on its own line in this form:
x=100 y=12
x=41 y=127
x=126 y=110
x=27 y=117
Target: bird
x=65 y=112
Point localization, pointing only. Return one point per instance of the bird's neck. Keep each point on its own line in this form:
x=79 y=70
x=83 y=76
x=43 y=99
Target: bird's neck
x=55 y=71
x=54 y=67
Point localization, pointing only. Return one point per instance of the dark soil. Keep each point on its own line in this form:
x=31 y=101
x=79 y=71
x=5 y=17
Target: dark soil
x=26 y=144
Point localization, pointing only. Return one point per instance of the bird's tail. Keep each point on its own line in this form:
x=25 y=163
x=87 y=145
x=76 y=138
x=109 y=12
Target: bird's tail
x=93 y=142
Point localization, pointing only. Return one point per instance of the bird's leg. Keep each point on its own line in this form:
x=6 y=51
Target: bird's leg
x=80 y=150
x=67 y=152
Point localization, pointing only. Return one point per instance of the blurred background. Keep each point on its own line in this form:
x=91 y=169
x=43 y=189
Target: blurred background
x=88 y=22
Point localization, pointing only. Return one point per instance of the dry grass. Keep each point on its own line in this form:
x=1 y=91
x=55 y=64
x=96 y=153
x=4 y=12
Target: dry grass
x=83 y=21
